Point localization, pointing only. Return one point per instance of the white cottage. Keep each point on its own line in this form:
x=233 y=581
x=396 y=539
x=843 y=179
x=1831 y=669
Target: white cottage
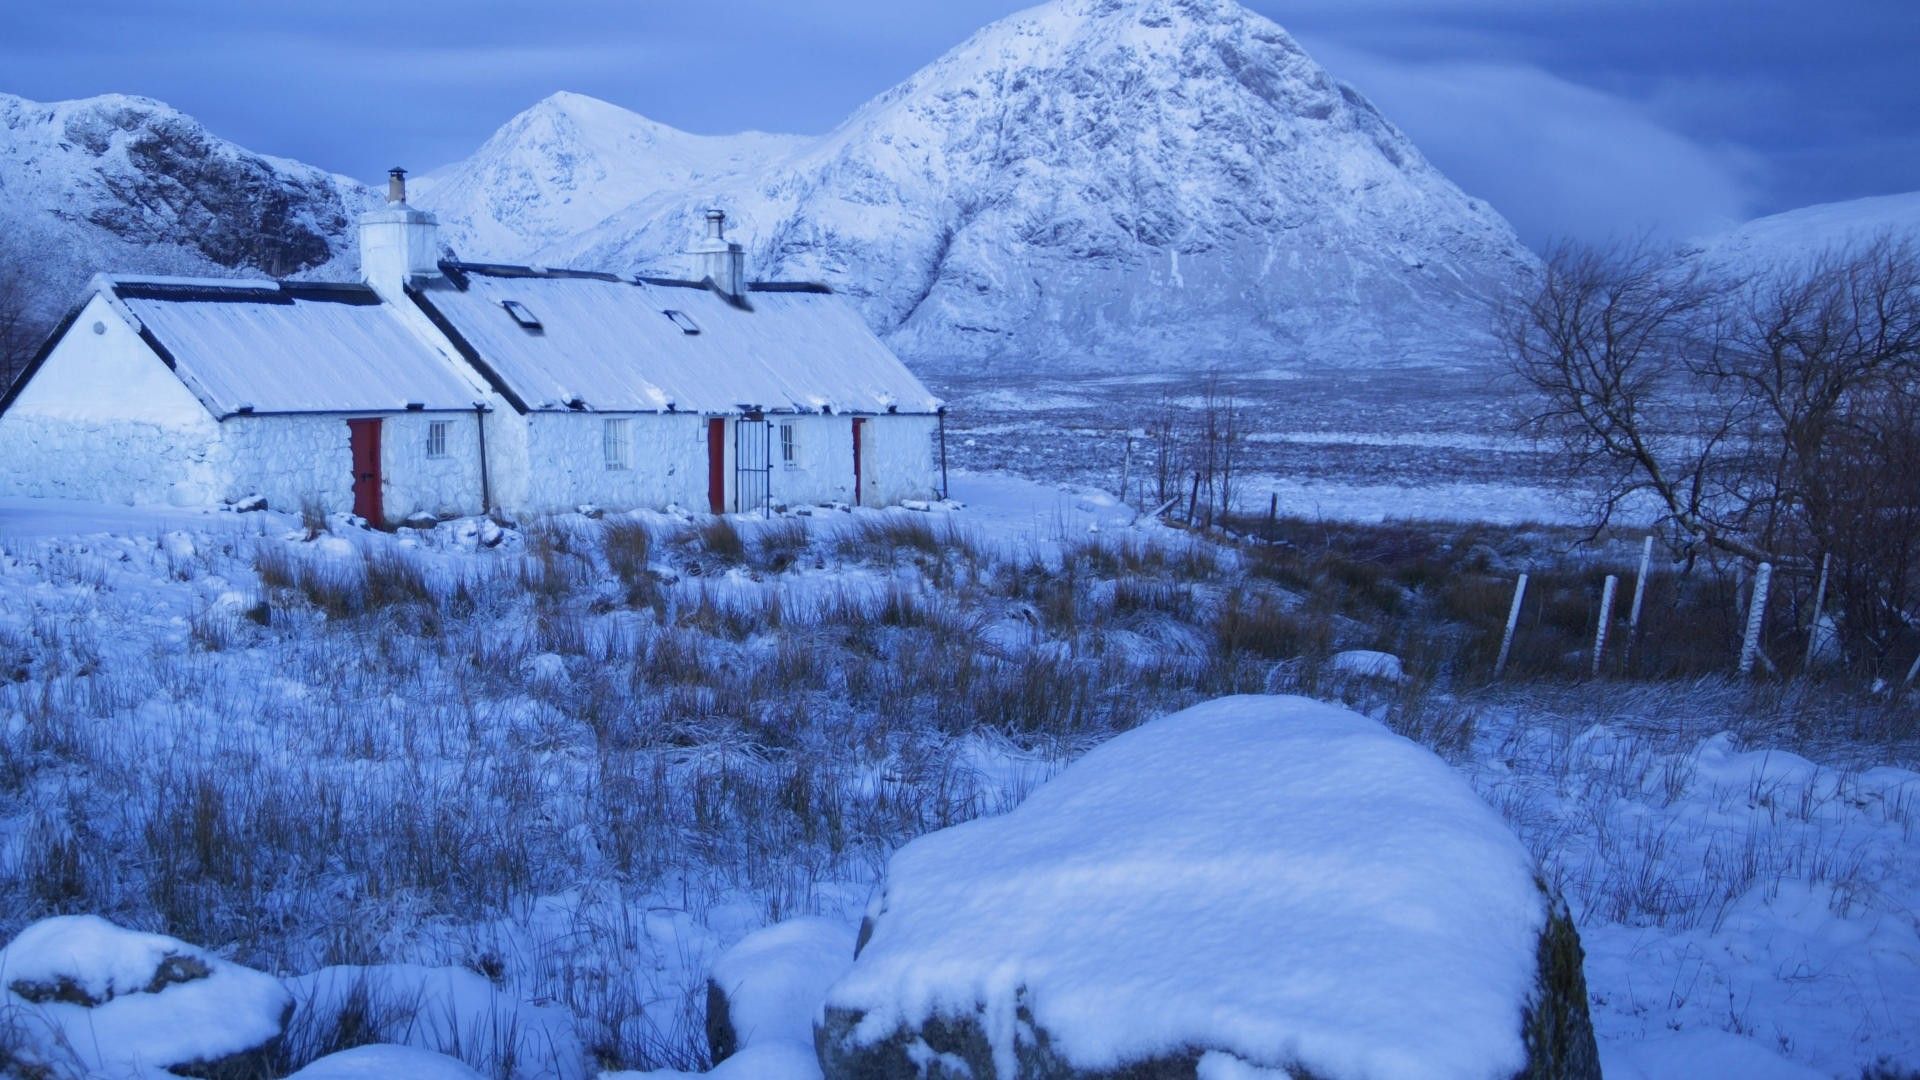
x=447 y=387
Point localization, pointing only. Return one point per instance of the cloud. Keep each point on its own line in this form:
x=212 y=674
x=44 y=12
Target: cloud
x=1560 y=160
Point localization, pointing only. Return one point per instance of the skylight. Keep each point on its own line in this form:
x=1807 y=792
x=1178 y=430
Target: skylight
x=684 y=321
x=520 y=314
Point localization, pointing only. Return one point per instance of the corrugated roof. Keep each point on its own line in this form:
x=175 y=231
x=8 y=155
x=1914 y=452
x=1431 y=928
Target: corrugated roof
x=273 y=347
x=608 y=344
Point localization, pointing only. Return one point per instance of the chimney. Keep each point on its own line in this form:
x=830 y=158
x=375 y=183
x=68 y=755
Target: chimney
x=719 y=260
x=397 y=242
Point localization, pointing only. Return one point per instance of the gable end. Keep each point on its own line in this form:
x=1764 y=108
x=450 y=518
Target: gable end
x=39 y=358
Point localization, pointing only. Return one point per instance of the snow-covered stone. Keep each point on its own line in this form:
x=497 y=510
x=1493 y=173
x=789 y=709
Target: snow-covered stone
x=385 y=1062
x=1368 y=664
x=122 y=1001
x=767 y=988
x=1255 y=886
x=444 y=1010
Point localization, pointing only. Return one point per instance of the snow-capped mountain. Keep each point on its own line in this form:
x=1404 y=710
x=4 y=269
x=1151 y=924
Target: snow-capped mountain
x=570 y=162
x=123 y=183
x=1091 y=183
x=1794 y=235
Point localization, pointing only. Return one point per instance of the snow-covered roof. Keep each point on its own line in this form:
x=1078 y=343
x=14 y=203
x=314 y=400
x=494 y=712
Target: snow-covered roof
x=584 y=341
x=289 y=347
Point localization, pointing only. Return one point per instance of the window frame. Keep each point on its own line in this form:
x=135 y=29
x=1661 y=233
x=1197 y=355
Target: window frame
x=437 y=438
x=522 y=315
x=789 y=445
x=616 y=444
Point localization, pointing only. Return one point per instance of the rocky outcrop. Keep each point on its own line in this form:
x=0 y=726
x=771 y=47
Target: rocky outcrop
x=1270 y=883
x=123 y=184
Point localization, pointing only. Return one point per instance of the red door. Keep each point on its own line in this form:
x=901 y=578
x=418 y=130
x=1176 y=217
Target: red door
x=364 y=438
x=717 y=465
x=858 y=425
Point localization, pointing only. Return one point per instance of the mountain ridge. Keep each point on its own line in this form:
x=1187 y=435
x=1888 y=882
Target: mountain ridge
x=1094 y=183
x=1090 y=185
x=121 y=182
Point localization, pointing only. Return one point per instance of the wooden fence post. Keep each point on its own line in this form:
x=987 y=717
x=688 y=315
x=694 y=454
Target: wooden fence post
x=1126 y=470
x=1513 y=619
x=1639 y=597
x=1819 y=601
x=1756 y=617
x=1193 y=500
x=1606 y=616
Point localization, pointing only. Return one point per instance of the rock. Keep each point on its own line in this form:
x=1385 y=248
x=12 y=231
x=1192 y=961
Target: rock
x=767 y=988
x=384 y=1062
x=1367 y=664
x=120 y=1000
x=1264 y=885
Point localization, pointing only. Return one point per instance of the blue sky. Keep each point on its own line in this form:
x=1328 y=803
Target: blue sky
x=1581 y=118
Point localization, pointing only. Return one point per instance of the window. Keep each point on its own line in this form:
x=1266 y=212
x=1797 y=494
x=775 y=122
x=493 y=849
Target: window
x=437 y=439
x=520 y=314
x=684 y=321
x=789 y=452
x=614 y=441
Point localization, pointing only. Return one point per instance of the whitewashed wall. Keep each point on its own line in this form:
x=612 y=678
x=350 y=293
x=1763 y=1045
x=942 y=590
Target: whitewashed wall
x=289 y=459
x=822 y=471
x=899 y=459
x=566 y=467
x=105 y=421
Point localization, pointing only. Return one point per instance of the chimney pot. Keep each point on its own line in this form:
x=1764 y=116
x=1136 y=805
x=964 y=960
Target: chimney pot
x=718 y=260
x=396 y=185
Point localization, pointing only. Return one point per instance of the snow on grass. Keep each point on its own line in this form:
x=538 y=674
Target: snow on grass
x=1120 y=904
x=368 y=766
x=443 y=1010
x=1736 y=905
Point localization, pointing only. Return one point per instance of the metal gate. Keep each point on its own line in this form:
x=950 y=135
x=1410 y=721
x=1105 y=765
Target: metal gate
x=752 y=465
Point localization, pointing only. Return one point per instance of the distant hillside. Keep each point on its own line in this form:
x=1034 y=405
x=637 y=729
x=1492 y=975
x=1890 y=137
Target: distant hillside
x=1795 y=235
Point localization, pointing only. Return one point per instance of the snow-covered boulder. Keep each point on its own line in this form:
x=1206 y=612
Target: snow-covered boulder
x=1368 y=664
x=1257 y=886
x=767 y=988
x=385 y=1062
x=124 y=1002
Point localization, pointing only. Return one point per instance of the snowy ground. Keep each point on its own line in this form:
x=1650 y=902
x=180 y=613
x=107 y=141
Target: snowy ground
x=525 y=787
x=1331 y=444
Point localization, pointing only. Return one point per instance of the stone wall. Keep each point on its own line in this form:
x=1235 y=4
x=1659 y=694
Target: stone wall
x=290 y=459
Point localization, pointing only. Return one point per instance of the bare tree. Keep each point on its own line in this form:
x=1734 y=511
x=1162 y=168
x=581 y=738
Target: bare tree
x=1757 y=418
x=20 y=323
